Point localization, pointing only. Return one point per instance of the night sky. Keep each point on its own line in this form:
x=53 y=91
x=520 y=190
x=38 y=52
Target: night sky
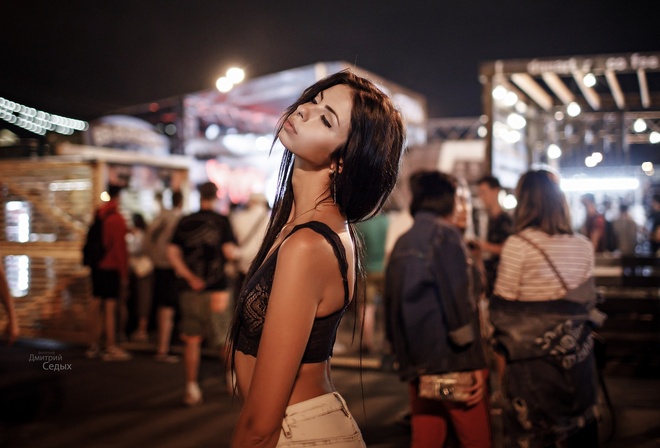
x=84 y=59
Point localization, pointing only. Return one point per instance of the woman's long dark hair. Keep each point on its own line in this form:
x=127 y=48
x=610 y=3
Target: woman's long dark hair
x=370 y=161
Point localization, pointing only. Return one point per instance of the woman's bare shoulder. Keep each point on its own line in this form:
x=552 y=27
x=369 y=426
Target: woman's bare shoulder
x=304 y=242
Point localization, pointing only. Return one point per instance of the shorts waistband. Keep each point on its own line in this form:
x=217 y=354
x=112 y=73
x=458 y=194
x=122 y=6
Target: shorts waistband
x=308 y=409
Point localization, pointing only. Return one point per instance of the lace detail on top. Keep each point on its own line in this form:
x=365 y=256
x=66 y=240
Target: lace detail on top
x=253 y=303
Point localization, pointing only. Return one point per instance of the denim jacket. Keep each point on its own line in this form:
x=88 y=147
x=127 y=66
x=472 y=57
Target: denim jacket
x=550 y=379
x=432 y=320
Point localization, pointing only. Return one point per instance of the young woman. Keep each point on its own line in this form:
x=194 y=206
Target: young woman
x=543 y=314
x=344 y=140
x=432 y=321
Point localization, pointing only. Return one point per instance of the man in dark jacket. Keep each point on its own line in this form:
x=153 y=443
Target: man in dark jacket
x=432 y=317
x=500 y=226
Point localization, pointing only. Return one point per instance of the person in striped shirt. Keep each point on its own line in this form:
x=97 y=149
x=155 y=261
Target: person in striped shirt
x=542 y=216
x=543 y=313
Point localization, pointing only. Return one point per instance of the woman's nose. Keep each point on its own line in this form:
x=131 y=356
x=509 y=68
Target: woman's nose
x=305 y=111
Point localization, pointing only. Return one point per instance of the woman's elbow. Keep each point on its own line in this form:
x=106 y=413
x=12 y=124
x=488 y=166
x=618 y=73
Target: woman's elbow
x=254 y=432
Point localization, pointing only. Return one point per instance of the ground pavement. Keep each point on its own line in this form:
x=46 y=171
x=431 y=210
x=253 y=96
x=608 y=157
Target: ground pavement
x=91 y=403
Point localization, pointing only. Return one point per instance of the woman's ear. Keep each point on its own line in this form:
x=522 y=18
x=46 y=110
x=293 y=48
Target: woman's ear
x=333 y=166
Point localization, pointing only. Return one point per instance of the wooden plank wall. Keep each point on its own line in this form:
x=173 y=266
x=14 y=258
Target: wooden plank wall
x=53 y=287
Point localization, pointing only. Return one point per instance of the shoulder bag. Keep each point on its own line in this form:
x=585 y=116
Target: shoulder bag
x=451 y=386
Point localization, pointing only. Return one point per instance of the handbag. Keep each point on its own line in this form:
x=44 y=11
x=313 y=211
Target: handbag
x=453 y=386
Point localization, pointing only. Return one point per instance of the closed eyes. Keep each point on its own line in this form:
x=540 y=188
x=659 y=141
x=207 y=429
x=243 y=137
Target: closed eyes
x=323 y=119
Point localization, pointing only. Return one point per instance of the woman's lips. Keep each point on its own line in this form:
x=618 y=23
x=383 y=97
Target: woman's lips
x=289 y=125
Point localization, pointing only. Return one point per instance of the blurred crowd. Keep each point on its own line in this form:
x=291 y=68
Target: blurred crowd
x=506 y=318
x=458 y=283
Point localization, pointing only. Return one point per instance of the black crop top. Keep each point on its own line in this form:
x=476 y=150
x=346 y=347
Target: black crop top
x=253 y=303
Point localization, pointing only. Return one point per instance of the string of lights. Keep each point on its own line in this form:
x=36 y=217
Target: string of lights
x=38 y=121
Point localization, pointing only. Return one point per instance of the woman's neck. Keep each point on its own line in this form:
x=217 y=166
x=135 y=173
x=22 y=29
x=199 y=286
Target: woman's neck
x=310 y=188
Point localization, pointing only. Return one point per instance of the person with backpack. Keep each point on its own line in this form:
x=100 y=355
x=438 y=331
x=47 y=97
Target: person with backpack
x=544 y=312
x=105 y=252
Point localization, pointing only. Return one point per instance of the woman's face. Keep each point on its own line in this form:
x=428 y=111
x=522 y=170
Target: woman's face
x=316 y=129
x=460 y=216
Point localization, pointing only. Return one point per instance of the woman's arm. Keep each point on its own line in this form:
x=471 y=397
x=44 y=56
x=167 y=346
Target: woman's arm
x=305 y=265
x=509 y=272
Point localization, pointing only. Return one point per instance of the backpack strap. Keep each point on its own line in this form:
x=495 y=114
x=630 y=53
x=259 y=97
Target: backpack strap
x=547 y=259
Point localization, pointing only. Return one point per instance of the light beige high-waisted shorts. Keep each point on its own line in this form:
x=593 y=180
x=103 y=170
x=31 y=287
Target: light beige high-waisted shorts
x=320 y=421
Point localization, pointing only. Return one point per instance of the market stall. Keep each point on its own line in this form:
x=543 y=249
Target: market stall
x=229 y=135
x=596 y=121
x=563 y=111
x=46 y=207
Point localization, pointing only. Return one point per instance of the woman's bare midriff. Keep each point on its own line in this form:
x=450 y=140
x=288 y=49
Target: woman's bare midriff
x=312 y=380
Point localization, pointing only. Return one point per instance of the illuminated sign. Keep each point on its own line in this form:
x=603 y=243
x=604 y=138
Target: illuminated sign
x=621 y=63
x=126 y=132
x=236 y=183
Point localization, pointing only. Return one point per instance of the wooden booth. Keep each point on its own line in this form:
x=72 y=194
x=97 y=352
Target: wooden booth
x=47 y=205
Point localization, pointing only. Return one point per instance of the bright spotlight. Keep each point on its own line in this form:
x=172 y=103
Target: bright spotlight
x=512 y=136
x=647 y=166
x=640 y=125
x=516 y=121
x=599 y=184
x=212 y=132
x=589 y=80
x=509 y=202
x=499 y=93
x=573 y=109
x=223 y=84
x=590 y=162
x=554 y=151
x=598 y=157
x=521 y=107
x=105 y=197
x=235 y=75
x=654 y=137
x=510 y=99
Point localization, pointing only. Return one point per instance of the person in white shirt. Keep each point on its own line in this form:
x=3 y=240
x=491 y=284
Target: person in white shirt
x=625 y=229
